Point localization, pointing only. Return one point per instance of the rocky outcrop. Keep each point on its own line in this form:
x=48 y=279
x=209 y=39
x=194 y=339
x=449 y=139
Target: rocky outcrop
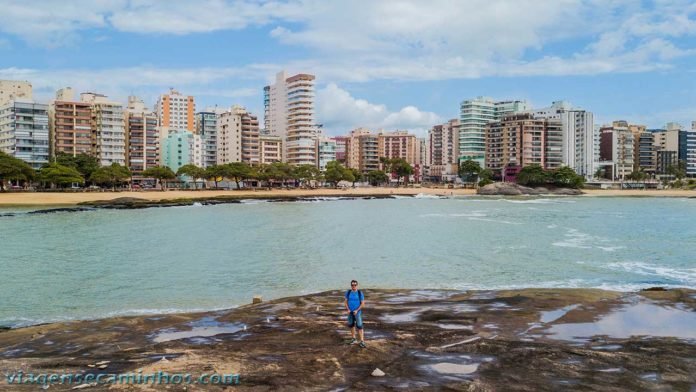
x=532 y=339
x=512 y=189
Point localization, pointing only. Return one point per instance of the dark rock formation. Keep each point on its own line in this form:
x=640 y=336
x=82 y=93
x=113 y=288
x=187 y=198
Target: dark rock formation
x=512 y=189
x=524 y=340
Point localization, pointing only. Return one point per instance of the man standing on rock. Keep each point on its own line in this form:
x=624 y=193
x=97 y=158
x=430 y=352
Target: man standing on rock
x=354 y=302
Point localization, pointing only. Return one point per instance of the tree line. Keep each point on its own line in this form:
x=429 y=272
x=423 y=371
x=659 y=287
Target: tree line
x=84 y=169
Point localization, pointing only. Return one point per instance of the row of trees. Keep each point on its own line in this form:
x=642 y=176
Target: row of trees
x=83 y=169
x=268 y=174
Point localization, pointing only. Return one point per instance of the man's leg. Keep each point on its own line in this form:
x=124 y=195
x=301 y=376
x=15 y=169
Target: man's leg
x=359 y=325
x=352 y=332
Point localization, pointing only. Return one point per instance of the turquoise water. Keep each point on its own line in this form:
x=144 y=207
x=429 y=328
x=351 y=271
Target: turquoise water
x=108 y=262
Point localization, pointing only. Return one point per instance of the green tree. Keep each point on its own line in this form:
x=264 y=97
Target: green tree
x=377 y=177
x=214 y=173
x=85 y=164
x=637 y=175
x=193 y=171
x=532 y=175
x=485 y=177
x=306 y=173
x=260 y=173
x=357 y=175
x=12 y=168
x=110 y=175
x=237 y=171
x=161 y=174
x=469 y=170
x=60 y=175
x=401 y=168
x=678 y=170
x=335 y=173
x=565 y=177
x=600 y=173
x=281 y=171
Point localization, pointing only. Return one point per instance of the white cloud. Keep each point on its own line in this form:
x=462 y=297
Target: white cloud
x=340 y=112
x=365 y=40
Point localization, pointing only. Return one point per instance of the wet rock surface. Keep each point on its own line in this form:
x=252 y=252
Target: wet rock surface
x=512 y=189
x=522 y=340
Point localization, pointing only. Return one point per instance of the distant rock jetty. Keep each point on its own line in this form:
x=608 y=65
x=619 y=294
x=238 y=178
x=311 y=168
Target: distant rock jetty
x=512 y=189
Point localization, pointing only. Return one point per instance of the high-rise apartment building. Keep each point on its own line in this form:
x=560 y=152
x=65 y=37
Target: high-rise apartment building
x=475 y=114
x=181 y=148
x=400 y=144
x=24 y=131
x=520 y=140
x=443 y=151
x=108 y=129
x=580 y=136
x=362 y=150
x=271 y=149
x=690 y=143
x=206 y=127
x=645 y=155
x=289 y=113
x=11 y=90
x=237 y=137
x=326 y=151
x=70 y=124
x=616 y=150
x=341 y=142
x=142 y=137
x=175 y=112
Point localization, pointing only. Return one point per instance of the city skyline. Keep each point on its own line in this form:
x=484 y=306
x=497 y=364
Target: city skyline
x=382 y=65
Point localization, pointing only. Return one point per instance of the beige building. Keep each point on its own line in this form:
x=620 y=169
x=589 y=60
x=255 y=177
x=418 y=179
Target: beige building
x=70 y=124
x=400 y=144
x=11 y=90
x=142 y=137
x=175 y=112
x=237 y=137
x=108 y=129
x=362 y=150
x=520 y=140
x=443 y=151
x=289 y=114
x=270 y=148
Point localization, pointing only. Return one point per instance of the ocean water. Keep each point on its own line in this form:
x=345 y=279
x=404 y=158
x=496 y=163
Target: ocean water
x=104 y=263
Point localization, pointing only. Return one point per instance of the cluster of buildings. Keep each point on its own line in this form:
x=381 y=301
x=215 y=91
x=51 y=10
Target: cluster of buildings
x=502 y=136
x=505 y=136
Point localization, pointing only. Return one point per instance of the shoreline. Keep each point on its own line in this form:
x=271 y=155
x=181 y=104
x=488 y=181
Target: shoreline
x=421 y=339
x=22 y=199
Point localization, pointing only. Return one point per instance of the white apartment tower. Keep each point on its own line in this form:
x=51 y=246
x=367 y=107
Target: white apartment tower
x=289 y=114
x=580 y=137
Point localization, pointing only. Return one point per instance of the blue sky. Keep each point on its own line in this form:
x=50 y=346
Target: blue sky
x=379 y=64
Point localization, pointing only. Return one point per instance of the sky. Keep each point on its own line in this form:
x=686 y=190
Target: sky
x=379 y=64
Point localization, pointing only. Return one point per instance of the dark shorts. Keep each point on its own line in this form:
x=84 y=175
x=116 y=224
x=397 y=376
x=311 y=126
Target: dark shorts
x=355 y=320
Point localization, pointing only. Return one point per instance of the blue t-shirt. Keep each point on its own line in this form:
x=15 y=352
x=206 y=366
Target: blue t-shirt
x=354 y=299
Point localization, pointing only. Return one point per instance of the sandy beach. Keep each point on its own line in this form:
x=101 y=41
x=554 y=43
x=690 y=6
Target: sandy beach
x=72 y=198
